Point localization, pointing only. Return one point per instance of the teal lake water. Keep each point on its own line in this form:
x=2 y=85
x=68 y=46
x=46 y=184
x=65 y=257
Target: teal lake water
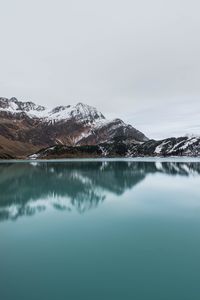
x=100 y=230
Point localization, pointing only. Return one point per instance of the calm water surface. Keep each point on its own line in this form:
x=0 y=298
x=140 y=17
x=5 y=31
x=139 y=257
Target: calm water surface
x=100 y=230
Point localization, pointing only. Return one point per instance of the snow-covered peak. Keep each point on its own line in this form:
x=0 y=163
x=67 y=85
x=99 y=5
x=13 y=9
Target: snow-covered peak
x=85 y=111
x=8 y=104
x=14 y=106
x=30 y=107
x=80 y=111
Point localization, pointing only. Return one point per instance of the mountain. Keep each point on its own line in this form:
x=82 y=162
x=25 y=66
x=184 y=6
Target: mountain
x=183 y=146
x=26 y=127
x=30 y=130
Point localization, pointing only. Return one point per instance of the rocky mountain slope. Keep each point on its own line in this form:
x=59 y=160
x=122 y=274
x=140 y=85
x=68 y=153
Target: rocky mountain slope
x=26 y=127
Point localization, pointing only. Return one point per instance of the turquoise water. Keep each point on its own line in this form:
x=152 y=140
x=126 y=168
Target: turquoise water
x=100 y=230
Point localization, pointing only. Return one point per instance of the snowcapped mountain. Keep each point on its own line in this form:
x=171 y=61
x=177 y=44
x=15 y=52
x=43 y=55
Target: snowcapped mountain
x=78 y=131
x=182 y=146
x=16 y=107
x=25 y=125
x=60 y=113
x=80 y=112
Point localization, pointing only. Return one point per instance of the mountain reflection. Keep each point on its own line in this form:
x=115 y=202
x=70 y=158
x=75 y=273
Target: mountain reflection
x=27 y=188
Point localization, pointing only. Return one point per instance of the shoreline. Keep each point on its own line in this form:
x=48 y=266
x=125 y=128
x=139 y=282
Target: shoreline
x=113 y=159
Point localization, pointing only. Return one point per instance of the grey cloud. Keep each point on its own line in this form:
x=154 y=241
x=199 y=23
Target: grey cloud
x=124 y=57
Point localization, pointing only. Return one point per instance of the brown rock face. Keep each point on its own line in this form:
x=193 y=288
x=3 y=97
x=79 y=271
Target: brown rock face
x=26 y=127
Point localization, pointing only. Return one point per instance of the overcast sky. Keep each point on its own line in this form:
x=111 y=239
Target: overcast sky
x=139 y=60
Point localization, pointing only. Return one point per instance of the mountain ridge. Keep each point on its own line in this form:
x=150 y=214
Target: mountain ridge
x=28 y=130
x=71 y=125
x=182 y=146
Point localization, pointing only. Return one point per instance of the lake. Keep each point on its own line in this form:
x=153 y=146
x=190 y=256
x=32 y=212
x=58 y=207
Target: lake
x=100 y=229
